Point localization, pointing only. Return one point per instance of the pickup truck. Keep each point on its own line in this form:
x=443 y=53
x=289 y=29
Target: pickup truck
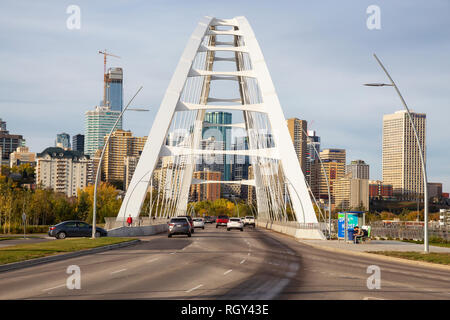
x=222 y=221
x=249 y=221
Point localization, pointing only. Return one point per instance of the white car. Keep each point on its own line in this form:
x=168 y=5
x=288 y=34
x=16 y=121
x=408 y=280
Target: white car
x=235 y=223
x=249 y=221
x=199 y=223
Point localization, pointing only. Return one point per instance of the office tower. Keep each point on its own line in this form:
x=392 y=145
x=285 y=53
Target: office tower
x=435 y=190
x=114 y=89
x=297 y=129
x=22 y=155
x=130 y=166
x=359 y=169
x=62 y=140
x=221 y=118
x=351 y=193
x=334 y=165
x=62 y=170
x=239 y=169
x=8 y=143
x=205 y=191
x=121 y=144
x=313 y=167
x=92 y=168
x=401 y=165
x=98 y=124
x=379 y=190
x=78 y=142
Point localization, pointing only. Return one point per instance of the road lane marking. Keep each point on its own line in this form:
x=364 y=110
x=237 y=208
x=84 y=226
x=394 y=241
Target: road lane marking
x=48 y=289
x=148 y=261
x=373 y=298
x=117 y=271
x=172 y=252
x=194 y=288
x=242 y=261
x=227 y=272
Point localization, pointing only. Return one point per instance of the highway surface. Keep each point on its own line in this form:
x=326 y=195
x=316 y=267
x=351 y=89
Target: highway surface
x=220 y=264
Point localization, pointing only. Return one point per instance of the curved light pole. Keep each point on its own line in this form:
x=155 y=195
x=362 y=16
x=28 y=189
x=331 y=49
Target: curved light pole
x=424 y=171
x=99 y=167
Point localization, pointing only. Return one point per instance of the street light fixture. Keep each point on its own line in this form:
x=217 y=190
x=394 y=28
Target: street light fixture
x=424 y=172
x=99 y=167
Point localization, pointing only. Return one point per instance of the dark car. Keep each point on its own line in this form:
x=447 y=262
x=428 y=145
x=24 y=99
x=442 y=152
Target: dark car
x=191 y=222
x=74 y=228
x=179 y=225
x=209 y=219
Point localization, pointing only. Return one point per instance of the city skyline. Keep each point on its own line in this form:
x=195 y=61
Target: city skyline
x=332 y=70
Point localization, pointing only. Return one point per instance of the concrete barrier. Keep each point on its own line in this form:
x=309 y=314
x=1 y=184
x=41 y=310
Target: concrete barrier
x=292 y=230
x=137 y=231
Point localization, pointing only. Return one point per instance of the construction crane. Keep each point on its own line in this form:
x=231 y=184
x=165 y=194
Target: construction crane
x=105 y=54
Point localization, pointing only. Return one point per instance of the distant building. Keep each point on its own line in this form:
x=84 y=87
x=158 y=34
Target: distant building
x=62 y=141
x=359 y=169
x=62 y=170
x=435 y=190
x=8 y=143
x=98 y=124
x=380 y=191
x=351 y=193
x=401 y=165
x=121 y=144
x=22 y=155
x=334 y=165
x=297 y=129
x=313 y=166
x=205 y=191
x=78 y=142
x=114 y=89
x=129 y=168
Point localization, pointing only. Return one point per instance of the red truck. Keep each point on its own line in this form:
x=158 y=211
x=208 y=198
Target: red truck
x=222 y=221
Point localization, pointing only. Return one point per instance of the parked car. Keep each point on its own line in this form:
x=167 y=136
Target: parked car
x=235 y=223
x=249 y=221
x=222 y=221
x=74 y=228
x=199 y=223
x=209 y=219
x=179 y=225
x=191 y=222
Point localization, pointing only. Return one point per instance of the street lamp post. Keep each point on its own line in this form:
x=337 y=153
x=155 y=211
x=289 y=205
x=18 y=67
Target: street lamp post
x=99 y=167
x=425 y=181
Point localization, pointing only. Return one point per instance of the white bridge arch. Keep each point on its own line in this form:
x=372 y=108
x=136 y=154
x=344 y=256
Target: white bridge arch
x=275 y=163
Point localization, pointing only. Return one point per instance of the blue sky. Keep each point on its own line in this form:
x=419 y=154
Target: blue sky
x=318 y=52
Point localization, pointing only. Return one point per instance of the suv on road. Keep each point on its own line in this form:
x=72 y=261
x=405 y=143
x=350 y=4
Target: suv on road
x=249 y=221
x=179 y=225
x=235 y=223
x=191 y=222
x=222 y=221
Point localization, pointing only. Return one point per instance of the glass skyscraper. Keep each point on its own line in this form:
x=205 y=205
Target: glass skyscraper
x=114 y=89
x=63 y=140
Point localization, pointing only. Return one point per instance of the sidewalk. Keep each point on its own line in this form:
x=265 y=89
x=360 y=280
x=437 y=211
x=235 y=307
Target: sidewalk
x=375 y=245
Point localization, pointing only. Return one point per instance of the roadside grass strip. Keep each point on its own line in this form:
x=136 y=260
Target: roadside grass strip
x=433 y=257
x=43 y=249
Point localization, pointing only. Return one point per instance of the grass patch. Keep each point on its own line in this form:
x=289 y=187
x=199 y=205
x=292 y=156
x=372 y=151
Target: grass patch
x=439 y=242
x=434 y=257
x=37 y=250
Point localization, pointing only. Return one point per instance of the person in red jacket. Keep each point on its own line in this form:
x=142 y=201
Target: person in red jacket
x=129 y=220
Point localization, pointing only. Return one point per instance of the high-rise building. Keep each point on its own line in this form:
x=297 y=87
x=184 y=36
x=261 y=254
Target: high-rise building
x=297 y=129
x=334 y=165
x=435 y=190
x=401 y=165
x=8 y=143
x=313 y=167
x=205 y=191
x=130 y=166
x=379 y=190
x=78 y=142
x=114 y=89
x=98 y=124
x=120 y=145
x=239 y=169
x=62 y=170
x=221 y=118
x=351 y=193
x=62 y=140
x=22 y=155
x=359 y=169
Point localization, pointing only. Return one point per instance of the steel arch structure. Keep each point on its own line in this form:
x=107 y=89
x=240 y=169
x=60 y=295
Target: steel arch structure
x=186 y=100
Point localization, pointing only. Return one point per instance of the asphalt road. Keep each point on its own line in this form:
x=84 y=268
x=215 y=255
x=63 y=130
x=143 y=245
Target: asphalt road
x=217 y=264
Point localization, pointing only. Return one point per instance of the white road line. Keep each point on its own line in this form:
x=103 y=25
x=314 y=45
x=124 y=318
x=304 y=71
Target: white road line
x=151 y=260
x=48 y=289
x=228 y=271
x=190 y=290
x=242 y=261
x=172 y=252
x=373 y=298
x=248 y=253
x=117 y=271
